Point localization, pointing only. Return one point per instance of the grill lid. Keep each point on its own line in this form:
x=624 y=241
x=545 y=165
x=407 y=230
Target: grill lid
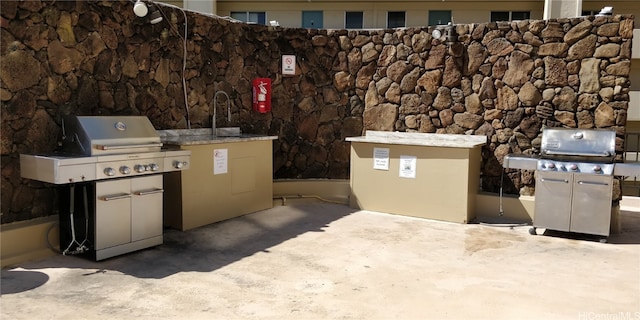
x=104 y=135
x=578 y=144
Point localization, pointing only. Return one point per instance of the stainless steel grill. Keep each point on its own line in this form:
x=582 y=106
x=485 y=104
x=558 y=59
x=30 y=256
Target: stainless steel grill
x=574 y=179
x=110 y=167
x=97 y=148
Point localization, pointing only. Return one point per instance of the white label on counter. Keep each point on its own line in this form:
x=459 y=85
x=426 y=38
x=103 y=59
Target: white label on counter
x=381 y=158
x=408 y=167
x=220 y=161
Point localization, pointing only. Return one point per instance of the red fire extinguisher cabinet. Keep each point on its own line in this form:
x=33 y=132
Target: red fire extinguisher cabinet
x=262 y=95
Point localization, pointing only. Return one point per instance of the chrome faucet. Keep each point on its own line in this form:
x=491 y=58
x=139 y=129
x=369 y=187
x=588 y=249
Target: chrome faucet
x=215 y=105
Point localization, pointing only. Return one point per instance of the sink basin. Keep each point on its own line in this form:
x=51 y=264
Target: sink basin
x=228 y=132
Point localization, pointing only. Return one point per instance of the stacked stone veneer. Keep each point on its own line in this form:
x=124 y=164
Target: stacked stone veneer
x=504 y=80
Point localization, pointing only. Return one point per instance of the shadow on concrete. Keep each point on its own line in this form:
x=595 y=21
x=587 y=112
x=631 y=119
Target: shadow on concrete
x=14 y=281
x=202 y=249
x=214 y=246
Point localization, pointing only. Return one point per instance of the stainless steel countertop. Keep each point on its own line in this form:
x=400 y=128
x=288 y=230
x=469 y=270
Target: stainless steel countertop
x=185 y=137
x=520 y=161
x=629 y=169
x=422 y=139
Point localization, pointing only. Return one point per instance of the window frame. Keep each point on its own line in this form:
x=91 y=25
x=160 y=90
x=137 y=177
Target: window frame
x=404 y=19
x=432 y=23
x=510 y=15
x=312 y=12
x=248 y=15
x=589 y=12
x=361 y=19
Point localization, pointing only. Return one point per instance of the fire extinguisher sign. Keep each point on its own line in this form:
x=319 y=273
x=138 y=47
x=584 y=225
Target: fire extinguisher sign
x=288 y=64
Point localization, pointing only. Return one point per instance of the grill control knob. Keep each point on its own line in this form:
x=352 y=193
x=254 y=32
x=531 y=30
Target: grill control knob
x=154 y=167
x=125 y=170
x=597 y=168
x=138 y=168
x=110 y=171
x=179 y=164
x=573 y=167
x=551 y=165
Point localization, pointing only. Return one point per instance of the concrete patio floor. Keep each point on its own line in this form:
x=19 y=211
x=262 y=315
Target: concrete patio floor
x=316 y=260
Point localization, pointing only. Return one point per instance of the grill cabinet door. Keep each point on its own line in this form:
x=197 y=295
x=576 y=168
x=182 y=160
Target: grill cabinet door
x=146 y=207
x=591 y=205
x=553 y=200
x=113 y=213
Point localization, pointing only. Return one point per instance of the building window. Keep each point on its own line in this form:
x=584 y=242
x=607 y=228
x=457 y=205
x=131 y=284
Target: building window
x=250 y=17
x=395 y=19
x=312 y=19
x=509 y=15
x=439 y=17
x=353 y=20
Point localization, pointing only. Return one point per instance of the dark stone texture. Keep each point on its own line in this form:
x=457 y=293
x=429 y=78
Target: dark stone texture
x=503 y=80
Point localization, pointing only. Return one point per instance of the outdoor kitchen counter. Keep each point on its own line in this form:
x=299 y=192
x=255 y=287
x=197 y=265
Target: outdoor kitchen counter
x=421 y=139
x=229 y=176
x=426 y=175
x=184 y=137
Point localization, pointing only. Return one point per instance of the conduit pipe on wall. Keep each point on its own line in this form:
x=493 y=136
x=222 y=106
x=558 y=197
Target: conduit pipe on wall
x=141 y=10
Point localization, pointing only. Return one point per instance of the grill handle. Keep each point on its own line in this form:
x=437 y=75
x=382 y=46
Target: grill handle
x=148 y=192
x=127 y=146
x=554 y=180
x=583 y=154
x=116 y=196
x=593 y=183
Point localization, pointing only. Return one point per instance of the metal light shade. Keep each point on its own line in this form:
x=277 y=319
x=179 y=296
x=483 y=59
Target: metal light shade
x=155 y=16
x=140 y=9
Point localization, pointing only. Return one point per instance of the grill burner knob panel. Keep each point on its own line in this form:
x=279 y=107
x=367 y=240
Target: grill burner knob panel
x=139 y=168
x=110 y=172
x=568 y=167
x=125 y=170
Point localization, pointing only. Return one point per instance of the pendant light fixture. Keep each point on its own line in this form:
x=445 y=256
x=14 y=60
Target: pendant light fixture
x=155 y=15
x=140 y=9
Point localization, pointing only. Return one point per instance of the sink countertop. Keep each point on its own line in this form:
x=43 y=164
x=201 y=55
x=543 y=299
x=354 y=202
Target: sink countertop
x=204 y=136
x=421 y=139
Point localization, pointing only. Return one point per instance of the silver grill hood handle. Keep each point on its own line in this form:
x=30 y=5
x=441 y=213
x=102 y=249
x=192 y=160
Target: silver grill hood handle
x=127 y=146
x=583 y=154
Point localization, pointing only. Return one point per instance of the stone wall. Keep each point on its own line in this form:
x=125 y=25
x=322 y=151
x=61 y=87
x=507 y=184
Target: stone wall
x=504 y=80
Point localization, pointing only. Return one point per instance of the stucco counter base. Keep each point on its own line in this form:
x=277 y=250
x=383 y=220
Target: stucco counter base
x=442 y=180
x=241 y=183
